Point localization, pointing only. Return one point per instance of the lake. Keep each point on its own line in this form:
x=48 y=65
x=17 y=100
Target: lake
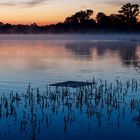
x=115 y=65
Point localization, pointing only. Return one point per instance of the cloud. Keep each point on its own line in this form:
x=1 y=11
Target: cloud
x=119 y=2
x=24 y=3
x=33 y=3
x=7 y=4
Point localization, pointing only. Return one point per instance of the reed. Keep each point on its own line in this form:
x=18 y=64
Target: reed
x=97 y=101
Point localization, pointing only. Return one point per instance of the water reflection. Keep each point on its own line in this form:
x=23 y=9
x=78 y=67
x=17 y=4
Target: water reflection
x=43 y=61
x=128 y=52
x=81 y=49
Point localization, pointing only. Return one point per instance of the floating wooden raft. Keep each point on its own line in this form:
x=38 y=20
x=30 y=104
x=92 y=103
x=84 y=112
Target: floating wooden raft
x=72 y=84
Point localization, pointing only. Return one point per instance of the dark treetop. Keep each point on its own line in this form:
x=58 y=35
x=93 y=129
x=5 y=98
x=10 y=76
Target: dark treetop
x=82 y=22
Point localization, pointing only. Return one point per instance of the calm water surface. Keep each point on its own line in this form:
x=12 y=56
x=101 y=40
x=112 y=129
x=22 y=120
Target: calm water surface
x=43 y=62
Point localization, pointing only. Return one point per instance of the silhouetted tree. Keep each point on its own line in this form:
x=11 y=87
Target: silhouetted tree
x=79 y=17
x=22 y=29
x=130 y=12
x=117 y=22
x=8 y=28
x=34 y=28
x=103 y=20
x=1 y=27
x=82 y=22
x=1 y=24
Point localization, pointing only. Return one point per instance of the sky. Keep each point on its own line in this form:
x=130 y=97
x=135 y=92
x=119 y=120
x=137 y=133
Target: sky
x=45 y=12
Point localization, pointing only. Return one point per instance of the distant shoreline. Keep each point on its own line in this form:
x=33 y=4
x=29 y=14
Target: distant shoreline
x=81 y=37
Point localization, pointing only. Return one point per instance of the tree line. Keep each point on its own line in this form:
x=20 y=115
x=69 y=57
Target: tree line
x=126 y=20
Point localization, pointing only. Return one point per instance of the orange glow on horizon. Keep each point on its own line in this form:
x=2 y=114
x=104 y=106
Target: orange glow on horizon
x=41 y=22
x=52 y=13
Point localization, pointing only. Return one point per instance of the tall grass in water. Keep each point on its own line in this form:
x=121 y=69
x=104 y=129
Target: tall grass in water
x=34 y=110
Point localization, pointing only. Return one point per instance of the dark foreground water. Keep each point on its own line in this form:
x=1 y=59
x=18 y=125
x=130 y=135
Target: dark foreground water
x=108 y=110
